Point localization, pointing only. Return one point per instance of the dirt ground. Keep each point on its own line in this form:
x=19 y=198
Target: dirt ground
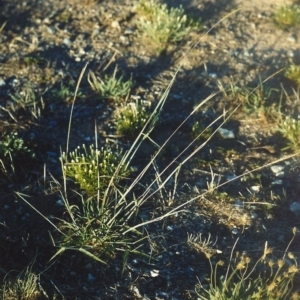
x=45 y=45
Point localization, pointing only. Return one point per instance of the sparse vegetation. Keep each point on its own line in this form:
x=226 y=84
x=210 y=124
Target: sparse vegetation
x=28 y=100
x=131 y=119
x=25 y=286
x=109 y=220
x=13 y=146
x=267 y=278
x=111 y=87
x=93 y=169
x=161 y=25
x=287 y=16
x=290 y=129
x=293 y=73
x=260 y=101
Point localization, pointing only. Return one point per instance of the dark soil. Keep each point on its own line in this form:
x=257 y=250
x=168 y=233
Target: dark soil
x=46 y=44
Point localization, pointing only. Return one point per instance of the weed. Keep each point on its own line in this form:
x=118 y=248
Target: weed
x=290 y=129
x=267 y=278
x=258 y=101
x=28 y=100
x=287 y=16
x=293 y=73
x=25 y=286
x=206 y=246
x=96 y=229
x=93 y=168
x=29 y=60
x=14 y=146
x=110 y=87
x=161 y=25
x=65 y=93
x=131 y=119
x=198 y=130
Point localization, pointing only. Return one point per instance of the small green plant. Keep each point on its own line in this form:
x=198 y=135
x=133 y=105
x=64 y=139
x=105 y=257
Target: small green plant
x=110 y=87
x=30 y=60
x=14 y=146
x=24 y=287
x=161 y=25
x=268 y=278
x=290 y=129
x=287 y=16
x=259 y=101
x=131 y=119
x=97 y=228
x=201 y=131
x=29 y=100
x=66 y=92
x=293 y=73
x=93 y=168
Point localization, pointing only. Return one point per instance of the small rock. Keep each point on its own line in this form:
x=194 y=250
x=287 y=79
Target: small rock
x=154 y=273
x=290 y=53
x=226 y=134
x=235 y=231
x=295 y=208
x=212 y=75
x=91 y=278
x=14 y=82
x=81 y=51
x=115 y=25
x=230 y=176
x=51 y=29
x=2 y=82
x=255 y=188
x=124 y=40
x=277 y=182
x=66 y=42
x=238 y=204
x=254 y=216
x=277 y=170
x=128 y=31
x=291 y=39
x=60 y=202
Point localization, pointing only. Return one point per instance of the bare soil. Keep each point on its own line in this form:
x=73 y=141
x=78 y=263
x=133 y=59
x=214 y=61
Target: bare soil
x=46 y=44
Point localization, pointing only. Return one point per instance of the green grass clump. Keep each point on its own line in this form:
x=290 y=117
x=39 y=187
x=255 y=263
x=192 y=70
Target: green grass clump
x=287 y=16
x=93 y=169
x=25 y=286
x=293 y=73
x=131 y=119
x=267 y=278
x=97 y=229
x=290 y=129
x=260 y=101
x=65 y=92
x=28 y=100
x=162 y=25
x=111 y=87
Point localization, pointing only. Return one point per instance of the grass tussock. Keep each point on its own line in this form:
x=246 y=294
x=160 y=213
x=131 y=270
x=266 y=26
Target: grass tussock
x=287 y=16
x=161 y=25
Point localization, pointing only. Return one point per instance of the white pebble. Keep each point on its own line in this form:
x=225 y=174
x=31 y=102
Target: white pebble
x=226 y=134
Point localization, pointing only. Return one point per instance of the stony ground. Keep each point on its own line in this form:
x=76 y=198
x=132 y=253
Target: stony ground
x=46 y=44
